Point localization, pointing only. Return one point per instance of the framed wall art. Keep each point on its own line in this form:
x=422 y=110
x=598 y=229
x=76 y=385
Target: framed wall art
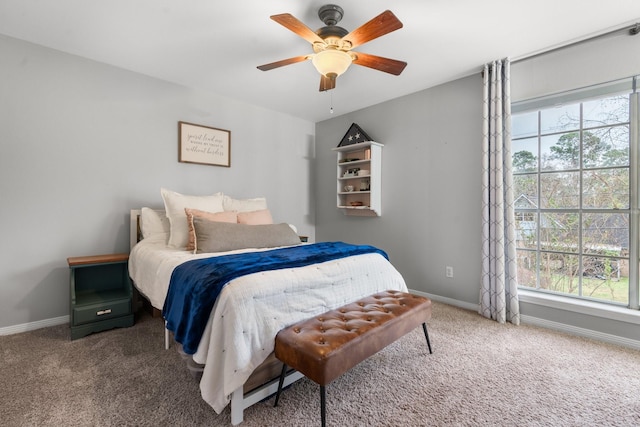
x=203 y=145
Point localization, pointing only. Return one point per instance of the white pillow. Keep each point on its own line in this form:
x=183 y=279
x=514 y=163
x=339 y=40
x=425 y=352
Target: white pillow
x=175 y=203
x=244 y=205
x=154 y=224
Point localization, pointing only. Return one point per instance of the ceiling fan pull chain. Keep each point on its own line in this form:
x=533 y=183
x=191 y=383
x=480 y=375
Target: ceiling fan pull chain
x=331 y=106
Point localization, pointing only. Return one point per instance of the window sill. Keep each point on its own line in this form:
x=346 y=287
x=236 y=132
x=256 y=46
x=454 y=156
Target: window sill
x=590 y=308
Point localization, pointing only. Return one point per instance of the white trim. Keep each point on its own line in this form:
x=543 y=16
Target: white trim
x=32 y=326
x=450 y=301
x=618 y=86
x=586 y=333
x=567 y=304
x=612 y=312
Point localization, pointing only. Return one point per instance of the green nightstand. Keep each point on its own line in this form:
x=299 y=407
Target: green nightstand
x=101 y=294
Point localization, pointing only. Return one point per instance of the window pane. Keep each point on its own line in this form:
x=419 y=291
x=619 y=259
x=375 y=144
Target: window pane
x=527 y=268
x=526 y=229
x=606 y=147
x=563 y=117
x=559 y=232
x=525 y=155
x=559 y=273
x=605 y=234
x=525 y=191
x=524 y=124
x=606 y=279
x=606 y=189
x=560 y=190
x=560 y=152
x=607 y=111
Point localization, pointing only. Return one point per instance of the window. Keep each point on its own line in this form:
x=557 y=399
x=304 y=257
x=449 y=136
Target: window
x=572 y=170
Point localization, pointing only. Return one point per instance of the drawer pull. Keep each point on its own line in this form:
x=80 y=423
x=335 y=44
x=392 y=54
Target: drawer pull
x=102 y=312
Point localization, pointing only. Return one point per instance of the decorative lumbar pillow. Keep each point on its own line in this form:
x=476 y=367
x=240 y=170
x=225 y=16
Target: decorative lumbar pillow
x=244 y=205
x=261 y=217
x=175 y=203
x=229 y=216
x=154 y=224
x=221 y=237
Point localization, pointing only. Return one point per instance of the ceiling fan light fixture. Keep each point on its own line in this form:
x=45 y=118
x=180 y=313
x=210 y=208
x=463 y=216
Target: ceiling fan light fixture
x=331 y=62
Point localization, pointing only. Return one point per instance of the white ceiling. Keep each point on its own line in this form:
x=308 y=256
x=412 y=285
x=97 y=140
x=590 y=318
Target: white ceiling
x=215 y=46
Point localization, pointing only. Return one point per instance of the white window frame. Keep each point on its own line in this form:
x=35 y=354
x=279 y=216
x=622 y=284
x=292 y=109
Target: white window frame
x=603 y=309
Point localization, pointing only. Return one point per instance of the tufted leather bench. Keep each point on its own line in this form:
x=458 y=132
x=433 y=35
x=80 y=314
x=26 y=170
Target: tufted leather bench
x=326 y=346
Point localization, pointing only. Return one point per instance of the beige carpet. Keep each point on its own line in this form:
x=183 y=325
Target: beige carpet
x=481 y=374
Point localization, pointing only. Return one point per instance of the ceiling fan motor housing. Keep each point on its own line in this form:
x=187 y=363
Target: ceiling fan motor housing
x=330 y=14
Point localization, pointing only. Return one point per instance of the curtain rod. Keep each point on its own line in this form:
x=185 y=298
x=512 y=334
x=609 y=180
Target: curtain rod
x=629 y=29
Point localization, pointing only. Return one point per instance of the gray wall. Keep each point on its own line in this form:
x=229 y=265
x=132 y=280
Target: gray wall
x=82 y=143
x=431 y=180
x=431 y=188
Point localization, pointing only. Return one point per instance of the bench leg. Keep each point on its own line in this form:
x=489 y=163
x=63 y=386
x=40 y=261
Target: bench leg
x=282 y=375
x=323 y=407
x=426 y=334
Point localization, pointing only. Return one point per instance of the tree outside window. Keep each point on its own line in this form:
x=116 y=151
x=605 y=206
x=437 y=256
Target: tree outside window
x=572 y=198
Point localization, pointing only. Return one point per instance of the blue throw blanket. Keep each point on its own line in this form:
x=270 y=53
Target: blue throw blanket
x=195 y=285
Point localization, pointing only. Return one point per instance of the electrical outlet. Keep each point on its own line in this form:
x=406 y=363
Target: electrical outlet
x=448 y=271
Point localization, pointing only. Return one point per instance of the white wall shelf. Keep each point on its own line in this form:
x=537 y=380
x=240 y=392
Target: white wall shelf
x=366 y=197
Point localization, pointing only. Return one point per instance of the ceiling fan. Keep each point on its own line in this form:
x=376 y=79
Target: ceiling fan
x=332 y=44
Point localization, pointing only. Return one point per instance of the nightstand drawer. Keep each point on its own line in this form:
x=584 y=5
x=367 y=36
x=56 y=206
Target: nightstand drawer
x=103 y=311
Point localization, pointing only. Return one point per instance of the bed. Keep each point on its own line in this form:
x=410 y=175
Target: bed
x=236 y=347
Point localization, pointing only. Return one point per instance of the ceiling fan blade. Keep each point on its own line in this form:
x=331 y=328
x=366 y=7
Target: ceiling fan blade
x=271 y=66
x=382 y=24
x=387 y=65
x=326 y=83
x=294 y=24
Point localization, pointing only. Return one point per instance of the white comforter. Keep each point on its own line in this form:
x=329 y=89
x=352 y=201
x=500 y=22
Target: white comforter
x=252 y=309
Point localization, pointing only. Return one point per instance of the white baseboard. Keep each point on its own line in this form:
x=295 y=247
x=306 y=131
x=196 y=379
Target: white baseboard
x=581 y=332
x=32 y=326
x=445 y=300
x=543 y=323
x=536 y=321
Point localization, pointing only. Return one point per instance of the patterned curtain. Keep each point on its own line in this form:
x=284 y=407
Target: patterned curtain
x=499 y=291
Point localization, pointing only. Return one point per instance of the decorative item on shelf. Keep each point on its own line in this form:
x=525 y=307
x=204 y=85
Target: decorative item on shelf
x=364 y=185
x=355 y=204
x=354 y=135
x=364 y=172
x=351 y=173
x=348 y=188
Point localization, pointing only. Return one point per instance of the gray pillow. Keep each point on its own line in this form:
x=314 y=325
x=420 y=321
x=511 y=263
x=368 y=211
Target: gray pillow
x=212 y=236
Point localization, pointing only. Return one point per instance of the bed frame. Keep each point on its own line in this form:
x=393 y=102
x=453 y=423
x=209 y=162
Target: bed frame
x=264 y=380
